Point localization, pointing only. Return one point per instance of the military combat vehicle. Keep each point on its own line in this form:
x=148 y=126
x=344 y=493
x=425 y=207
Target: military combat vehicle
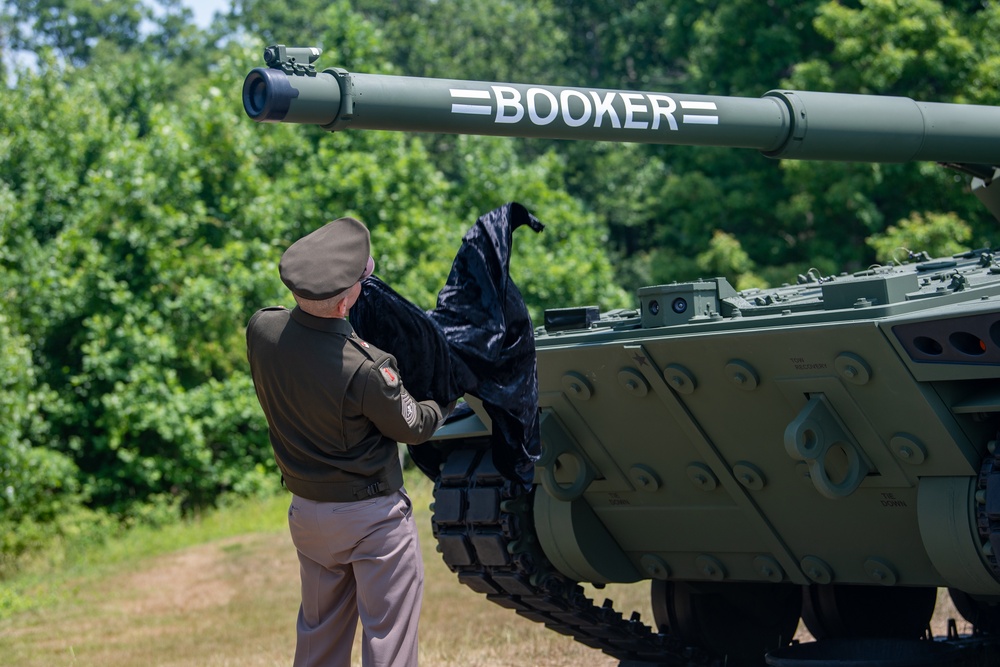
x=823 y=450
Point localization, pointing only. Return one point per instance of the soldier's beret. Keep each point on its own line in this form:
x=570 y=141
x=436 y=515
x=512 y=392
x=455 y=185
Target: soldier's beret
x=327 y=261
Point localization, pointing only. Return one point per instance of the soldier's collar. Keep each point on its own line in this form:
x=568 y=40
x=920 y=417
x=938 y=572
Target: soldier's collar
x=337 y=325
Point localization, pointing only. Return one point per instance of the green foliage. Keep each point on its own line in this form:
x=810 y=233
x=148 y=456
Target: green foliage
x=937 y=234
x=920 y=48
x=743 y=47
x=726 y=257
x=85 y=32
x=662 y=202
x=906 y=47
x=336 y=27
x=139 y=237
x=75 y=28
x=142 y=215
x=37 y=485
x=503 y=40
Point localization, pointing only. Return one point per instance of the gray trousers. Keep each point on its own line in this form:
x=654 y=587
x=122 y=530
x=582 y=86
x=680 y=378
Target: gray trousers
x=357 y=560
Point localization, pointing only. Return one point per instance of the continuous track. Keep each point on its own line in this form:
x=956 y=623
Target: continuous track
x=485 y=532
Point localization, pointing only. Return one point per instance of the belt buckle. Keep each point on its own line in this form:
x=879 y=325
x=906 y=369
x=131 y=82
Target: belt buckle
x=373 y=489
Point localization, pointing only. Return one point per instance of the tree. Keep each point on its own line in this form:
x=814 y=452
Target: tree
x=75 y=28
x=348 y=37
x=502 y=40
x=142 y=215
x=38 y=485
x=147 y=231
x=920 y=48
x=939 y=235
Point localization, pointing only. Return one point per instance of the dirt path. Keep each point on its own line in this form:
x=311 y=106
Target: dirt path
x=233 y=602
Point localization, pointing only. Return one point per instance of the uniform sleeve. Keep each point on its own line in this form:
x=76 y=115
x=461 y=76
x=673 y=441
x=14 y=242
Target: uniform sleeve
x=395 y=413
x=251 y=328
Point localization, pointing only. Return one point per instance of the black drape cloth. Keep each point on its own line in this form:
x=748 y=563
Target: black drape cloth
x=478 y=340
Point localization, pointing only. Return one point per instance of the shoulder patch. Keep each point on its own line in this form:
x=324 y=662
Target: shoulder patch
x=389 y=374
x=408 y=408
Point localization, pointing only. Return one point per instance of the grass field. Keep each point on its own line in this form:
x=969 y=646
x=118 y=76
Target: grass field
x=223 y=591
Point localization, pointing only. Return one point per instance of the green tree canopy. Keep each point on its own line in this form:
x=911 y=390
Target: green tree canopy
x=142 y=215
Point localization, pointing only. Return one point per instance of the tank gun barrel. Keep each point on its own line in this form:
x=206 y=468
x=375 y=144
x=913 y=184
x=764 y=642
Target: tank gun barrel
x=781 y=124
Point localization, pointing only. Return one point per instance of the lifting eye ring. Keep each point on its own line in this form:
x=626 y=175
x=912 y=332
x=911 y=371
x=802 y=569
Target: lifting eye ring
x=547 y=466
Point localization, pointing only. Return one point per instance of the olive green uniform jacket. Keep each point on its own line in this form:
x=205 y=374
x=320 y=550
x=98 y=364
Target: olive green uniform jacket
x=335 y=406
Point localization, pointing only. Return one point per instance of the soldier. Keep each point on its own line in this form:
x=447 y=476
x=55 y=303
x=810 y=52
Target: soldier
x=335 y=409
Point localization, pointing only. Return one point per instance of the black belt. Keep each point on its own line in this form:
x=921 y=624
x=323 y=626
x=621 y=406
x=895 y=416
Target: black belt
x=372 y=490
x=341 y=492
